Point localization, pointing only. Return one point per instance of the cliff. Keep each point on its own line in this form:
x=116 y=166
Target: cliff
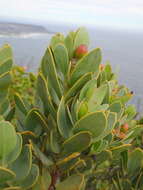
x=19 y=29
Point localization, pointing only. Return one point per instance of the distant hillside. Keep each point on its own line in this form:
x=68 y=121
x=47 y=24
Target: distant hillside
x=19 y=29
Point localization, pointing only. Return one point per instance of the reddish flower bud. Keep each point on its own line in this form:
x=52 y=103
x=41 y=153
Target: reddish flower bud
x=81 y=51
x=125 y=127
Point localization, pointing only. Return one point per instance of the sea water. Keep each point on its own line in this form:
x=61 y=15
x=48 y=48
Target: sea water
x=124 y=50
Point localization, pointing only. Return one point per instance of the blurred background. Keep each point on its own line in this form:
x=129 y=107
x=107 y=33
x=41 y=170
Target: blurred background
x=115 y=26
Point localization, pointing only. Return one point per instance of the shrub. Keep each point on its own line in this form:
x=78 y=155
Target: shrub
x=71 y=135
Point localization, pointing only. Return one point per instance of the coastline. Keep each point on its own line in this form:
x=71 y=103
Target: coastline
x=16 y=30
x=25 y=35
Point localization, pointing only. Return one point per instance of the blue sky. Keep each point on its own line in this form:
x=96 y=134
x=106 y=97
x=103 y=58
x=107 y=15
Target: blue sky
x=109 y=13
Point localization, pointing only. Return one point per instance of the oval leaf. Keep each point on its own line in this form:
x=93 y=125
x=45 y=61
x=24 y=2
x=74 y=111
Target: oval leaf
x=31 y=179
x=43 y=93
x=61 y=58
x=77 y=143
x=94 y=122
x=16 y=152
x=89 y=63
x=77 y=86
x=49 y=71
x=63 y=121
x=22 y=165
x=7 y=139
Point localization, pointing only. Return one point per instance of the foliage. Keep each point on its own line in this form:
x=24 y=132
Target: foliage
x=69 y=133
x=23 y=83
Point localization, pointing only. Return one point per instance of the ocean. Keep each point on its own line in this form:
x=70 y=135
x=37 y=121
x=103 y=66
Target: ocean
x=124 y=50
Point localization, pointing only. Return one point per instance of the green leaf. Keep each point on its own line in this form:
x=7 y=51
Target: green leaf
x=117 y=150
x=6 y=66
x=1 y=118
x=81 y=37
x=135 y=159
x=61 y=58
x=69 y=162
x=130 y=111
x=44 y=181
x=5 y=80
x=101 y=78
x=41 y=156
x=99 y=146
x=54 y=141
x=117 y=108
x=16 y=152
x=103 y=156
x=43 y=93
x=108 y=94
x=6 y=175
x=124 y=98
x=108 y=71
x=89 y=63
x=134 y=132
x=7 y=139
x=5 y=53
x=49 y=70
x=56 y=39
x=69 y=45
x=102 y=107
x=127 y=184
x=77 y=143
x=31 y=179
x=12 y=188
x=124 y=159
x=97 y=97
x=63 y=121
x=10 y=114
x=74 y=182
x=5 y=107
x=20 y=104
x=35 y=122
x=22 y=165
x=95 y=122
x=111 y=121
x=88 y=89
x=73 y=109
x=3 y=94
x=77 y=86
x=82 y=109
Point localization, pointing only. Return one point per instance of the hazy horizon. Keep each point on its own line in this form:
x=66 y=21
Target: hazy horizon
x=110 y=14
